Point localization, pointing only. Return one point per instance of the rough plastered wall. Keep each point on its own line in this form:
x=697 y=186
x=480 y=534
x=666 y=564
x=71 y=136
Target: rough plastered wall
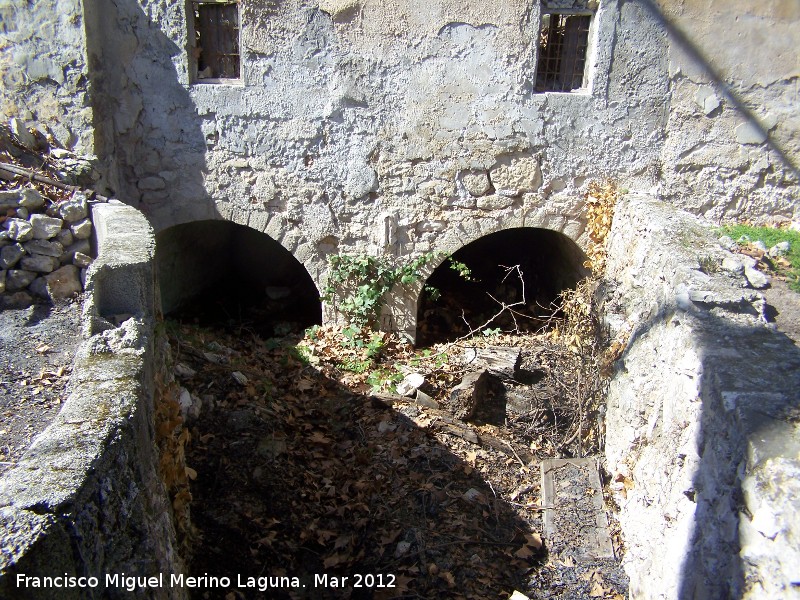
x=398 y=126
x=43 y=70
x=732 y=147
x=703 y=416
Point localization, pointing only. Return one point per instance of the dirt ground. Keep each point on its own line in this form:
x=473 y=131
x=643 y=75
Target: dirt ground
x=785 y=308
x=300 y=471
x=37 y=347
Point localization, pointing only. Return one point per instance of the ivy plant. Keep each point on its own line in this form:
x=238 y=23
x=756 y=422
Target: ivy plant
x=359 y=284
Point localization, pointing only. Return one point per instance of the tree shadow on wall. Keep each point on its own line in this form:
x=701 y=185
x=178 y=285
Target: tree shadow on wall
x=682 y=41
x=148 y=134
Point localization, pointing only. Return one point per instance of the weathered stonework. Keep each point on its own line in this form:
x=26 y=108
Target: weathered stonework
x=407 y=127
x=702 y=416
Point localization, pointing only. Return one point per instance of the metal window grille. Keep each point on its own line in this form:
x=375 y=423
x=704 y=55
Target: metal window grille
x=216 y=28
x=563 y=43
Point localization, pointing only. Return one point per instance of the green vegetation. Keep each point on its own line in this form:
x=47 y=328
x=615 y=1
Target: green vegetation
x=361 y=282
x=771 y=236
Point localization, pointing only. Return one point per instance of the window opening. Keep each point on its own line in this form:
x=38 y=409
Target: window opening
x=216 y=39
x=563 y=44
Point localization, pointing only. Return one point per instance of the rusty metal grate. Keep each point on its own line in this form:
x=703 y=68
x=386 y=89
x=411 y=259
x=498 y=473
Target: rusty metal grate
x=563 y=44
x=216 y=28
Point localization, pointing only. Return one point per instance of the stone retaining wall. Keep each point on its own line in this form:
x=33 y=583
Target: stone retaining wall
x=702 y=434
x=45 y=246
x=86 y=499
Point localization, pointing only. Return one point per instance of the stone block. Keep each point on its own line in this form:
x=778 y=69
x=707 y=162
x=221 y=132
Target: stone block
x=44 y=227
x=64 y=282
x=11 y=255
x=19 y=230
x=31 y=199
x=39 y=263
x=476 y=183
x=82 y=230
x=74 y=209
x=516 y=176
x=45 y=247
x=17 y=279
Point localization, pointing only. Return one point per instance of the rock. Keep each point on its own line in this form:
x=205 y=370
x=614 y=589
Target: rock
x=64 y=282
x=19 y=230
x=727 y=242
x=23 y=135
x=44 y=227
x=780 y=249
x=16 y=300
x=17 y=279
x=31 y=199
x=760 y=245
x=11 y=255
x=39 y=263
x=81 y=260
x=151 y=184
x=74 y=209
x=733 y=265
x=9 y=199
x=516 y=176
x=410 y=383
x=82 y=230
x=38 y=287
x=2 y=281
x=756 y=278
x=82 y=246
x=23 y=213
x=64 y=237
x=181 y=370
x=45 y=247
x=476 y=183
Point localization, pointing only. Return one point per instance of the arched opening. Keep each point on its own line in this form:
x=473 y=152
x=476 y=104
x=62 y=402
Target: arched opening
x=221 y=273
x=526 y=268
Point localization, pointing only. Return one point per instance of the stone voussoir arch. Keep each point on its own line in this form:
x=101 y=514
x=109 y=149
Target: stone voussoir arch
x=400 y=310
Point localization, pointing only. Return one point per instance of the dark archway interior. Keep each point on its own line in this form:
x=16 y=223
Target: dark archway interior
x=221 y=273
x=524 y=265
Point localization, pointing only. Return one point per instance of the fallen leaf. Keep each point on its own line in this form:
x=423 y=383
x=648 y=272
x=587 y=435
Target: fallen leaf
x=333 y=560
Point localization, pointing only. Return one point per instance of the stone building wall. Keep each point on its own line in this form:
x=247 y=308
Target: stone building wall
x=404 y=126
x=732 y=143
x=43 y=71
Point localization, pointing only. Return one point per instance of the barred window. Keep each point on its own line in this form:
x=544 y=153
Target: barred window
x=216 y=40
x=563 y=44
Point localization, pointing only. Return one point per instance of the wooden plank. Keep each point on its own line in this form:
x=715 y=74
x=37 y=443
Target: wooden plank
x=575 y=519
